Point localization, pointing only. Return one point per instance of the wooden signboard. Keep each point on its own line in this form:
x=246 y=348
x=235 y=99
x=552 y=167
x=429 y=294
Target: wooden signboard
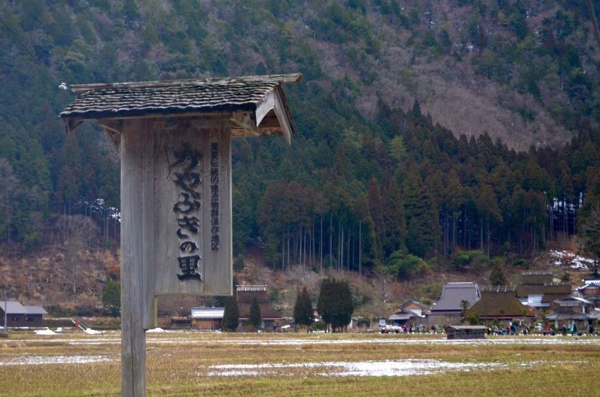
x=174 y=139
x=176 y=190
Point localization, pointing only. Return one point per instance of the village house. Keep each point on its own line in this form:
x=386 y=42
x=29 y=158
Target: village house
x=245 y=294
x=207 y=318
x=538 y=289
x=572 y=310
x=449 y=308
x=591 y=291
x=500 y=303
x=410 y=312
x=19 y=316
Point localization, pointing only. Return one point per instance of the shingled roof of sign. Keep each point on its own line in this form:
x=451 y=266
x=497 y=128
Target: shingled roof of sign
x=177 y=96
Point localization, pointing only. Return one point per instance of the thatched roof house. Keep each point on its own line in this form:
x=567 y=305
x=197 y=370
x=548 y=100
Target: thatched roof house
x=537 y=289
x=500 y=303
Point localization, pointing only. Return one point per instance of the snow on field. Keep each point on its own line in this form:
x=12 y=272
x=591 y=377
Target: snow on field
x=46 y=331
x=356 y=368
x=45 y=360
x=570 y=259
x=408 y=341
x=90 y=331
x=275 y=341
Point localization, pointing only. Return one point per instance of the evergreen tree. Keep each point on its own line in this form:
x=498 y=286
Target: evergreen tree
x=255 y=316
x=231 y=316
x=368 y=250
x=590 y=237
x=393 y=218
x=111 y=297
x=335 y=303
x=303 y=310
x=422 y=220
x=376 y=211
x=488 y=206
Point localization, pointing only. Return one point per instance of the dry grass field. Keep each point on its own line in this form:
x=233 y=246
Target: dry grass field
x=194 y=364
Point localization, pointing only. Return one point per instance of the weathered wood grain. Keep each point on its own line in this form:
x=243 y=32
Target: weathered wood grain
x=133 y=338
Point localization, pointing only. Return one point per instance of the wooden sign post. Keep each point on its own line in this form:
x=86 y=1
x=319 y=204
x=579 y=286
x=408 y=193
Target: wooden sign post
x=174 y=140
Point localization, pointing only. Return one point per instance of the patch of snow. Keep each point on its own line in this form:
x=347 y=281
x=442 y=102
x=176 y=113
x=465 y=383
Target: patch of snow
x=383 y=340
x=90 y=331
x=155 y=331
x=46 y=331
x=570 y=259
x=356 y=368
x=46 y=360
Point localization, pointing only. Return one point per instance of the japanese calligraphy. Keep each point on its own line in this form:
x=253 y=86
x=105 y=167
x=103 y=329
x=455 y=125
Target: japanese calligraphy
x=188 y=179
x=214 y=196
x=189 y=267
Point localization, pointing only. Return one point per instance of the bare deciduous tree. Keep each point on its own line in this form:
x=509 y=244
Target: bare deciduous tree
x=77 y=232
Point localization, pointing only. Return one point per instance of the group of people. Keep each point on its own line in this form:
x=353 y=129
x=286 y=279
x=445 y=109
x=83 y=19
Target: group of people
x=510 y=329
x=572 y=330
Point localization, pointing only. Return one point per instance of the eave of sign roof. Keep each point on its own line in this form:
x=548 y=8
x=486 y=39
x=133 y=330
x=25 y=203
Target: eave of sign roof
x=259 y=109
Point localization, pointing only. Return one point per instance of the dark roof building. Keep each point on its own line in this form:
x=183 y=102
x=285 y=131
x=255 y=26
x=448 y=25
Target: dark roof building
x=500 y=303
x=410 y=310
x=452 y=296
x=591 y=291
x=572 y=310
x=245 y=295
x=19 y=316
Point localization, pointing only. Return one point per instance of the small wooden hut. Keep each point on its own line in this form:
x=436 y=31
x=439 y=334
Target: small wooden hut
x=466 y=332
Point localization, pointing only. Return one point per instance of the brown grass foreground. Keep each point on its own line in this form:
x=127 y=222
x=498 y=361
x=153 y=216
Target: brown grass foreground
x=178 y=366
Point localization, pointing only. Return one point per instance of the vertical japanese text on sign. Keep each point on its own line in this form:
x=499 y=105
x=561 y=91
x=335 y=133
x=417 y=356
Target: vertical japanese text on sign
x=214 y=195
x=188 y=179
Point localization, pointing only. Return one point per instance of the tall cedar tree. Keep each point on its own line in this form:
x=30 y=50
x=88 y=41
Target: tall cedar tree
x=393 y=218
x=335 y=303
x=231 y=317
x=303 y=310
x=590 y=237
x=369 y=251
x=376 y=210
x=422 y=220
x=255 y=317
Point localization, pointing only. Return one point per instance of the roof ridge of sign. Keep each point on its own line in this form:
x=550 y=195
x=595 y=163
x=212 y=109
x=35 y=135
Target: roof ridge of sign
x=289 y=78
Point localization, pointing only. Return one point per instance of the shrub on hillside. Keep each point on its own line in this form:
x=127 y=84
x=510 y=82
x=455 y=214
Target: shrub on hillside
x=406 y=267
x=468 y=260
x=497 y=276
x=238 y=264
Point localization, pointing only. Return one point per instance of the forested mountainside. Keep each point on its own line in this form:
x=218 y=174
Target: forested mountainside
x=408 y=118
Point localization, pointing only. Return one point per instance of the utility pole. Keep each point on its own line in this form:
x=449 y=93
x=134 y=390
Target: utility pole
x=5 y=313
